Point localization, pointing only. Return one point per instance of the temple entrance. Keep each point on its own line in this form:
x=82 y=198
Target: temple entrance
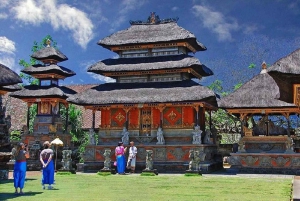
x=145 y=121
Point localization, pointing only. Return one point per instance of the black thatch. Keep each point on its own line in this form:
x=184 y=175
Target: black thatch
x=286 y=69
x=149 y=92
x=152 y=33
x=49 y=53
x=289 y=64
x=35 y=91
x=10 y=88
x=150 y=63
x=38 y=69
x=8 y=77
x=260 y=92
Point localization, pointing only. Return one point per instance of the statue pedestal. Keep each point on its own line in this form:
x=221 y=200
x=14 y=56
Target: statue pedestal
x=62 y=172
x=149 y=172
x=193 y=173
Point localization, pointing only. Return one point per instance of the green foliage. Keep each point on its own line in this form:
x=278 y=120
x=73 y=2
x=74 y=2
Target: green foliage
x=237 y=86
x=251 y=66
x=15 y=135
x=216 y=86
x=32 y=115
x=104 y=173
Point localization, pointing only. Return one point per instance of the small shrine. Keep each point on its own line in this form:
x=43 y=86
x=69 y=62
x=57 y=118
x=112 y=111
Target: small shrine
x=266 y=147
x=154 y=102
x=48 y=96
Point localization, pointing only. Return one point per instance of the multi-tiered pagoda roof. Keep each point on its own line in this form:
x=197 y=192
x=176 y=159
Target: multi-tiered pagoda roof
x=8 y=79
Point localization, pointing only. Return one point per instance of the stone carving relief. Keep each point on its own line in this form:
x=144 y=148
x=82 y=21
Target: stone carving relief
x=107 y=160
x=141 y=153
x=89 y=154
x=66 y=160
x=234 y=160
x=250 y=160
x=280 y=161
x=265 y=161
x=296 y=162
x=91 y=136
x=149 y=160
x=206 y=139
x=178 y=153
x=160 y=153
x=197 y=135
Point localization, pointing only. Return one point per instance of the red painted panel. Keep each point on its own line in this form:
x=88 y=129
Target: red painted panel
x=105 y=118
x=155 y=118
x=118 y=118
x=134 y=118
x=188 y=116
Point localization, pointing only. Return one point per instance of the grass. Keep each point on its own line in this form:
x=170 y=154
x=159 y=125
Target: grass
x=91 y=187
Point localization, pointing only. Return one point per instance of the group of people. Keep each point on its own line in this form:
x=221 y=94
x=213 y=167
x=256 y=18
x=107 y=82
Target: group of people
x=121 y=163
x=21 y=154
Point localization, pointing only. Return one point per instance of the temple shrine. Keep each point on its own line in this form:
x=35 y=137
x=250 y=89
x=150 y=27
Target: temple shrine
x=48 y=96
x=266 y=147
x=154 y=101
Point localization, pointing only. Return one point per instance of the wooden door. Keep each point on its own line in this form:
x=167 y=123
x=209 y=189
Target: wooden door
x=145 y=121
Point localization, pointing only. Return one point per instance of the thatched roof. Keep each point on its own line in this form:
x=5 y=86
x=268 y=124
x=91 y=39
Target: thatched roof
x=150 y=63
x=38 y=69
x=151 y=33
x=287 y=68
x=35 y=91
x=8 y=77
x=49 y=53
x=149 y=92
x=10 y=88
x=260 y=92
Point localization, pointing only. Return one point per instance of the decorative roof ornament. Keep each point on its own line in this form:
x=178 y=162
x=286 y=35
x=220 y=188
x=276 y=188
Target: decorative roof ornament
x=48 y=42
x=153 y=19
x=263 y=68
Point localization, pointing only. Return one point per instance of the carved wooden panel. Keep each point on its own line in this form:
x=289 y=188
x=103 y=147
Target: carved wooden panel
x=145 y=120
x=297 y=94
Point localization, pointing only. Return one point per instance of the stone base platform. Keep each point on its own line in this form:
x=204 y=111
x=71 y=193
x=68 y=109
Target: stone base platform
x=166 y=158
x=272 y=163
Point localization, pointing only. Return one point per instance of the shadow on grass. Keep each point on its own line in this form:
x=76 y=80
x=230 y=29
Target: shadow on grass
x=6 y=196
x=12 y=181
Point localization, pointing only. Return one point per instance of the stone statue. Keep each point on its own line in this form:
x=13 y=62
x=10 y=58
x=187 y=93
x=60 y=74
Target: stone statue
x=207 y=137
x=192 y=160
x=66 y=160
x=91 y=136
x=197 y=135
x=13 y=155
x=160 y=137
x=107 y=160
x=197 y=159
x=289 y=145
x=125 y=136
x=149 y=160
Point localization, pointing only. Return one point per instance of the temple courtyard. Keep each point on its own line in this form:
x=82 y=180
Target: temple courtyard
x=217 y=186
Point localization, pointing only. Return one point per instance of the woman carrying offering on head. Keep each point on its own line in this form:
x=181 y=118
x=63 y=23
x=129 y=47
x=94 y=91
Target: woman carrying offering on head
x=48 y=165
x=21 y=155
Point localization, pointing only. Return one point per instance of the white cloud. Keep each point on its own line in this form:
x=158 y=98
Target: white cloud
x=129 y=5
x=175 y=8
x=4 y=3
x=216 y=22
x=101 y=78
x=3 y=16
x=60 y=16
x=7 y=45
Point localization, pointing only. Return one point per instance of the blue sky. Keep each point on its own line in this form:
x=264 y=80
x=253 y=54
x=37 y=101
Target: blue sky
x=235 y=32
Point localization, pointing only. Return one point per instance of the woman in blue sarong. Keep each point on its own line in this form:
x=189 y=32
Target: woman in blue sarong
x=48 y=166
x=20 y=167
x=120 y=157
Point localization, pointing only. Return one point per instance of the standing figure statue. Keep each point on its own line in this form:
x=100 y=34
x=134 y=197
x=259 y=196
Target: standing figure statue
x=160 y=137
x=197 y=135
x=149 y=160
x=66 y=160
x=192 y=160
x=125 y=136
x=207 y=137
x=91 y=136
x=107 y=160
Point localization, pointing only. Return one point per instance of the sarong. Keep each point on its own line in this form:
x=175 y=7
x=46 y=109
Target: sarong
x=48 y=173
x=19 y=174
x=121 y=164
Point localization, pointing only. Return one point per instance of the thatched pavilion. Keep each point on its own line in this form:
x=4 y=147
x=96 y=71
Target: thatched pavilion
x=154 y=90
x=267 y=147
x=8 y=80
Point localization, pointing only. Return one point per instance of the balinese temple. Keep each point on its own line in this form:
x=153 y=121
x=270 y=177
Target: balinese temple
x=48 y=96
x=153 y=94
x=266 y=147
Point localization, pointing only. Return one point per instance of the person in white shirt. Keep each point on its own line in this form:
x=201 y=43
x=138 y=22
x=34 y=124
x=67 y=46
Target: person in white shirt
x=132 y=157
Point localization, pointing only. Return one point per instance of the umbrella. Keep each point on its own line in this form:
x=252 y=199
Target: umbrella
x=57 y=142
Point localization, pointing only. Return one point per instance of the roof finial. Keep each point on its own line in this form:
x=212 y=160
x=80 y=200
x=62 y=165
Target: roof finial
x=48 y=42
x=263 y=67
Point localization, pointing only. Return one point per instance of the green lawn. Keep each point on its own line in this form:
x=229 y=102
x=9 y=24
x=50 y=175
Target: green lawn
x=162 y=187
